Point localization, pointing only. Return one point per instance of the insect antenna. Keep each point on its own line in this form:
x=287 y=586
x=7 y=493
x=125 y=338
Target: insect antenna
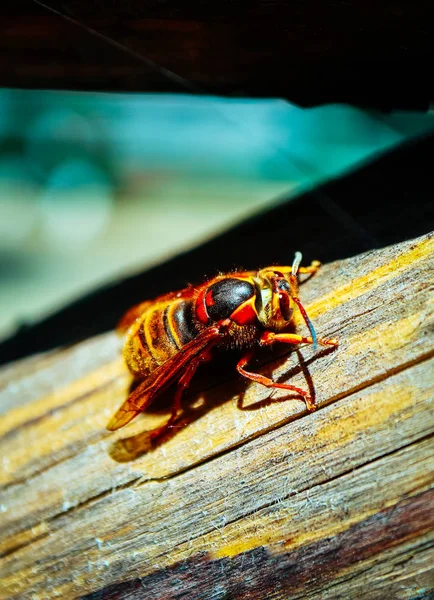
x=297 y=260
x=294 y=292
x=308 y=322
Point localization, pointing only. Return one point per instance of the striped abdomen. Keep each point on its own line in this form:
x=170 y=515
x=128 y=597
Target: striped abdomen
x=158 y=334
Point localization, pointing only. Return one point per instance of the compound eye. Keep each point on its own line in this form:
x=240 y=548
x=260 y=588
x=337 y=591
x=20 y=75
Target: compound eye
x=285 y=305
x=283 y=285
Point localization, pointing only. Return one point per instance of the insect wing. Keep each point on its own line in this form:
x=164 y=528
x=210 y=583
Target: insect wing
x=162 y=377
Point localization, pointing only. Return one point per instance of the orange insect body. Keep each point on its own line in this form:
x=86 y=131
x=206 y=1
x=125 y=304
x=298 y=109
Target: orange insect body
x=167 y=338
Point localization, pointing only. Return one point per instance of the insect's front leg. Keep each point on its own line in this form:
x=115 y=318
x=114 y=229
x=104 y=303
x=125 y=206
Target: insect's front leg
x=269 y=337
x=269 y=383
x=313 y=268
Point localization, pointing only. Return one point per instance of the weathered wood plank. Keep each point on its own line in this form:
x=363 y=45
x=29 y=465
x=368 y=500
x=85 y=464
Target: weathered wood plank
x=264 y=501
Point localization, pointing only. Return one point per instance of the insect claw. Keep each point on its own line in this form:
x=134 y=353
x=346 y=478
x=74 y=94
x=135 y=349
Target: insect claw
x=310 y=404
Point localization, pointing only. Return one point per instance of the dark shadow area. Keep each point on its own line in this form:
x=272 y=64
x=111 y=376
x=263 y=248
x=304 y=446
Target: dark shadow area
x=327 y=52
x=385 y=202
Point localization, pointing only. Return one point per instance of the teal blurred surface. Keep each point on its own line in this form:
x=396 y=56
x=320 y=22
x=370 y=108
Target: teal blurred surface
x=95 y=186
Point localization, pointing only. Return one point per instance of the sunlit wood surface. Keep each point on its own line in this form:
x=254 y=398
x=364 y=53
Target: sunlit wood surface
x=251 y=497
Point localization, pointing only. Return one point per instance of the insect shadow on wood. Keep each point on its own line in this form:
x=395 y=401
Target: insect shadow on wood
x=203 y=397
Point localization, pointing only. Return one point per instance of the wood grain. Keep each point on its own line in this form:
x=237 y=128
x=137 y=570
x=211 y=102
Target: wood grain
x=251 y=497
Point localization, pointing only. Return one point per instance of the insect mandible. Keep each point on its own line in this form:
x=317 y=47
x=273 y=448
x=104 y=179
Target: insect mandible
x=169 y=337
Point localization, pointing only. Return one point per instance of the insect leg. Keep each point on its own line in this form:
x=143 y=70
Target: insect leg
x=269 y=337
x=182 y=384
x=313 y=268
x=269 y=383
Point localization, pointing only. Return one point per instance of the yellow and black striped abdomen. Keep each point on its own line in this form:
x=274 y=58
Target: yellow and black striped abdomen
x=157 y=335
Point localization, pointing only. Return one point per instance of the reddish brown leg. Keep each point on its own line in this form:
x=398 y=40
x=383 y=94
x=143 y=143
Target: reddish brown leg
x=183 y=383
x=269 y=383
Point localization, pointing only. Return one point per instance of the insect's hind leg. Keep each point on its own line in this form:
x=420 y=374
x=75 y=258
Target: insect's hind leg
x=183 y=383
x=269 y=383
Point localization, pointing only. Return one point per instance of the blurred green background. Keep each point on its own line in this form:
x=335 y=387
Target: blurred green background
x=96 y=186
